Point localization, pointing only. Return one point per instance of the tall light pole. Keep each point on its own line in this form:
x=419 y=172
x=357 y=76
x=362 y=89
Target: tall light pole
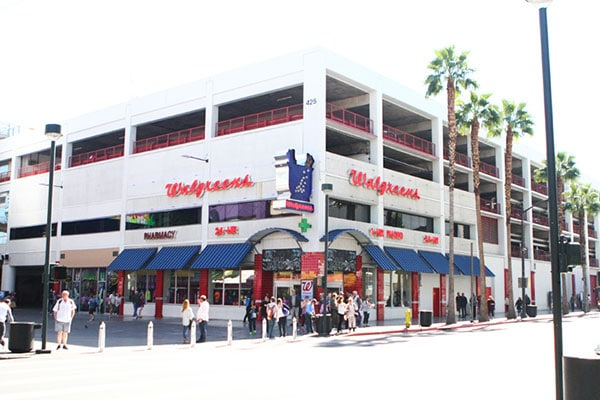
x=552 y=199
x=326 y=188
x=53 y=133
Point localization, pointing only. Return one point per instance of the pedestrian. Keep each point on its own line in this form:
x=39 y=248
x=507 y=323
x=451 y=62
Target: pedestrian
x=5 y=315
x=252 y=314
x=519 y=305
x=135 y=301
x=491 y=306
x=309 y=314
x=366 y=307
x=92 y=306
x=263 y=307
x=282 y=312
x=333 y=303
x=463 y=304
x=294 y=303
x=187 y=319
x=202 y=318
x=271 y=313
x=350 y=314
x=341 y=311
x=358 y=305
x=247 y=301
x=112 y=300
x=141 y=304
x=64 y=311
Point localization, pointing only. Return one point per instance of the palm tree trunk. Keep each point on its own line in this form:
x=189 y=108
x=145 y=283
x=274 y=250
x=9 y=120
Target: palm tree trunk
x=483 y=313
x=507 y=197
x=584 y=259
x=560 y=187
x=451 y=317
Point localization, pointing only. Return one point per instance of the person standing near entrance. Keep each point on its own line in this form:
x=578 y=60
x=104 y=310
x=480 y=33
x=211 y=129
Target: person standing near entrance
x=271 y=317
x=202 y=318
x=64 y=311
x=5 y=315
x=294 y=302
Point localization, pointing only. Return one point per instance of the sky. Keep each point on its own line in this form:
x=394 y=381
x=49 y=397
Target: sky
x=65 y=58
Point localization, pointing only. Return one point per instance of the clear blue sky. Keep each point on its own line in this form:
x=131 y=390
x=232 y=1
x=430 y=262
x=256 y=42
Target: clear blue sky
x=64 y=58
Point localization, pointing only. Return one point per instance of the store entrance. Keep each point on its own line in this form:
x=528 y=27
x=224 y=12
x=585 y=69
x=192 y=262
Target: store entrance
x=283 y=290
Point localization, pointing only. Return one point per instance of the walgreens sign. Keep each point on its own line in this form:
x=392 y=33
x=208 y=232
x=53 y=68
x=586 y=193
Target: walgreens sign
x=358 y=178
x=199 y=188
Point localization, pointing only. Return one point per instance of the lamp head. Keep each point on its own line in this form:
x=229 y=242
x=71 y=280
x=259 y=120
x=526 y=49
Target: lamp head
x=52 y=132
x=327 y=187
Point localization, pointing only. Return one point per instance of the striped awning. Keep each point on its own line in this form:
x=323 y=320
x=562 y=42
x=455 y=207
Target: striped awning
x=464 y=264
x=380 y=258
x=132 y=259
x=222 y=256
x=172 y=258
x=408 y=259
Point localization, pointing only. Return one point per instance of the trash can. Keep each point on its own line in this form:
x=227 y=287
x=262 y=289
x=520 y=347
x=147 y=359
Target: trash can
x=20 y=339
x=425 y=317
x=581 y=378
x=531 y=310
x=323 y=325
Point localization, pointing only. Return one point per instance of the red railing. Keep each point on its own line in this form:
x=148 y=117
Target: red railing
x=515 y=251
x=5 y=176
x=260 y=120
x=491 y=206
x=543 y=255
x=408 y=140
x=96 y=155
x=37 y=169
x=488 y=169
x=539 y=187
x=169 y=139
x=349 y=118
x=459 y=158
x=518 y=180
x=540 y=219
x=515 y=212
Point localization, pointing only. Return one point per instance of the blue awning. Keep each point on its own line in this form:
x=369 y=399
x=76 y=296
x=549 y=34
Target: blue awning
x=464 y=264
x=173 y=257
x=132 y=259
x=222 y=256
x=437 y=261
x=359 y=236
x=380 y=258
x=408 y=259
x=260 y=235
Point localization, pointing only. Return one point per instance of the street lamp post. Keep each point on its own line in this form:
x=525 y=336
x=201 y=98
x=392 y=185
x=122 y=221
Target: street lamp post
x=53 y=133
x=552 y=199
x=326 y=188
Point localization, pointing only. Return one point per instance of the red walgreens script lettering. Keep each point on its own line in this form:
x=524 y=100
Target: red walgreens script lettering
x=382 y=187
x=199 y=188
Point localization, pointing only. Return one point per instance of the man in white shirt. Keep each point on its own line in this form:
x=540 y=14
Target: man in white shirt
x=64 y=311
x=202 y=317
x=5 y=313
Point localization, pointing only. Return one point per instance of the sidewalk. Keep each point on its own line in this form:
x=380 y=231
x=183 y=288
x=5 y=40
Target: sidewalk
x=125 y=332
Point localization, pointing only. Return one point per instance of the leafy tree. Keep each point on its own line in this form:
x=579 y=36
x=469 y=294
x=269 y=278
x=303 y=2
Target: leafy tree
x=450 y=68
x=469 y=118
x=582 y=200
x=516 y=123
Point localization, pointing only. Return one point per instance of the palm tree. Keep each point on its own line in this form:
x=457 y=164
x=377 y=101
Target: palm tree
x=583 y=201
x=450 y=68
x=517 y=122
x=469 y=118
x=566 y=172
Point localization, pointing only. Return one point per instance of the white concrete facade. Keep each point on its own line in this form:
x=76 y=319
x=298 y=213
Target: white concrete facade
x=135 y=182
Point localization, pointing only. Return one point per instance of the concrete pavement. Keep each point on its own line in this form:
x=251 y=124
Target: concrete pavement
x=126 y=332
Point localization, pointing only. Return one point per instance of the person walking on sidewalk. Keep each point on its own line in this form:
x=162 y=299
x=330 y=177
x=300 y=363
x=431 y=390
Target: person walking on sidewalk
x=64 y=311
x=141 y=304
x=252 y=313
x=5 y=315
x=202 y=318
x=187 y=319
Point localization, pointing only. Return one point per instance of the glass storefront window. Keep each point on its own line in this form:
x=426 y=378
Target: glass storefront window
x=183 y=284
x=368 y=281
x=231 y=286
x=397 y=289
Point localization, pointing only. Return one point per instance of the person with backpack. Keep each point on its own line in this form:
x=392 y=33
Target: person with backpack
x=64 y=311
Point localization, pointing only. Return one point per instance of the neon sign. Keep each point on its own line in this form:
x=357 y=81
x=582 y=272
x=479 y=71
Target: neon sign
x=382 y=187
x=199 y=188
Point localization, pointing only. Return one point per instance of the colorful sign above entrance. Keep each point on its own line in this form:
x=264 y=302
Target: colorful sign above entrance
x=199 y=188
x=382 y=187
x=389 y=234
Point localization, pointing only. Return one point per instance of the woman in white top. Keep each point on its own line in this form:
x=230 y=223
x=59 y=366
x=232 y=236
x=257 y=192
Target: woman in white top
x=187 y=319
x=351 y=311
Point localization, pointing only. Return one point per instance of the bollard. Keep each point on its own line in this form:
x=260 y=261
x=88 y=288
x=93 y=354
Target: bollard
x=229 y=333
x=407 y=317
x=101 y=337
x=294 y=328
x=150 y=335
x=264 y=329
x=193 y=334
